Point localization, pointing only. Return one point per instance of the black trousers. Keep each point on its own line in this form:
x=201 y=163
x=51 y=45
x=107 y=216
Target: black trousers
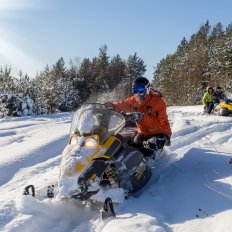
x=149 y=144
x=209 y=107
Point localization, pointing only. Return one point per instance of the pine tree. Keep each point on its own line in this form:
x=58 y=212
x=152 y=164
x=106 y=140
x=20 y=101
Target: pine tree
x=74 y=99
x=7 y=83
x=217 y=32
x=47 y=96
x=135 y=68
x=101 y=67
x=85 y=82
x=116 y=71
x=229 y=29
x=62 y=85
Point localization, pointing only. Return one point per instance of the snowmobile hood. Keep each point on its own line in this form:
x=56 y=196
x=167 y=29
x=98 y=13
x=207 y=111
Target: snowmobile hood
x=226 y=103
x=91 y=137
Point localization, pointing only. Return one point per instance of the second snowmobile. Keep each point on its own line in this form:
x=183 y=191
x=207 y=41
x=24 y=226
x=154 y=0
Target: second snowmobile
x=224 y=108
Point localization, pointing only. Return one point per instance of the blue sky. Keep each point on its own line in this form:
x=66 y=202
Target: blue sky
x=34 y=33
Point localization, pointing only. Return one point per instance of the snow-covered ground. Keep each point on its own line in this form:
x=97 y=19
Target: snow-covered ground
x=191 y=187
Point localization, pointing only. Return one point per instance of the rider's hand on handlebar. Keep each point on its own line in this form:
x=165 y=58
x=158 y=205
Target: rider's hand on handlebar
x=109 y=105
x=137 y=116
x=123 y=113
x=132 y=116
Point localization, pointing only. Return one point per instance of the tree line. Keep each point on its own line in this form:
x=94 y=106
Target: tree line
x=182 y=77
x=205 y=59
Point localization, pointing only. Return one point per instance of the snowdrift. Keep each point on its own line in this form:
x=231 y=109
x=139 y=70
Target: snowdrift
x=191 y=187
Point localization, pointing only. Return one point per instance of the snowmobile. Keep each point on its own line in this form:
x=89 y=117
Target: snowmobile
x=98 y=158
x=224 y=108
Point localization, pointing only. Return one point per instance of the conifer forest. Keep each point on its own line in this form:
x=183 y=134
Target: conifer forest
x=182 y=77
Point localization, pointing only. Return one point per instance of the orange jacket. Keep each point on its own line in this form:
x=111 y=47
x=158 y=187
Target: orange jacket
x=155 y=119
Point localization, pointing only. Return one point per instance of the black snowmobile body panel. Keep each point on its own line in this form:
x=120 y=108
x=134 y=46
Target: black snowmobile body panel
x=130 y=168
x=137 y=172
x=95 y=169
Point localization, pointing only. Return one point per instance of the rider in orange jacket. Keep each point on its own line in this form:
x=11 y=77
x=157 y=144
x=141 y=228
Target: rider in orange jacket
x=153 y=128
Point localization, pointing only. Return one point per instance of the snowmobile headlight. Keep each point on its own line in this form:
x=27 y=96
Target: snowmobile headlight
x=91 y=142
x=74 y=140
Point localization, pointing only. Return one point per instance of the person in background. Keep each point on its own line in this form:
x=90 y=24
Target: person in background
x=153 y=126
x=218 y=95
x=208 y=100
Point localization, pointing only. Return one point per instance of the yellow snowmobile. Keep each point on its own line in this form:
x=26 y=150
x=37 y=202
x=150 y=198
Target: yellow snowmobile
x=98 y=164
x=97 y=159
x=224 y=108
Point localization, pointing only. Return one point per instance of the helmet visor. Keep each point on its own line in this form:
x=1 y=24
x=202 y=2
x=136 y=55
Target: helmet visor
x=139 y=89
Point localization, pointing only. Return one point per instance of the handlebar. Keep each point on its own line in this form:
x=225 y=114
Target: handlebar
x=129 y=116
x=132 y=116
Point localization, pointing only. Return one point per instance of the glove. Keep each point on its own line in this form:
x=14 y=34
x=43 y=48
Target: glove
x=156 y=142
x=147 y=146
x=137 y=116
x=109 y=105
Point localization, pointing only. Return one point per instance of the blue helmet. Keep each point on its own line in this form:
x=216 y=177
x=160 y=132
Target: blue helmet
x=140 y=87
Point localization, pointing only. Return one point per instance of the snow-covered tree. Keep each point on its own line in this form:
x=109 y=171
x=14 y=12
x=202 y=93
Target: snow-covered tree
x=116 y=71
x=135 y=67
x=101 y=68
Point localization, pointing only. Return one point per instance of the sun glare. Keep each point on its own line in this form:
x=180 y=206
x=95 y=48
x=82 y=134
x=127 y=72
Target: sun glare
x=10 y=54
x=18 y=58
x=16 y=4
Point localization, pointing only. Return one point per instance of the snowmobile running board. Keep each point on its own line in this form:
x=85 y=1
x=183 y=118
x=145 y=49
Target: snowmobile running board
x=108 y=209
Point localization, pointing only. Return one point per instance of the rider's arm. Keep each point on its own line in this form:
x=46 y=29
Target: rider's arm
x=126 y=105
x=204 y=100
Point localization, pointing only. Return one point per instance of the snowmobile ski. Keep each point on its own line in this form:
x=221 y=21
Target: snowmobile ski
x=108 y=209
x=27 y=190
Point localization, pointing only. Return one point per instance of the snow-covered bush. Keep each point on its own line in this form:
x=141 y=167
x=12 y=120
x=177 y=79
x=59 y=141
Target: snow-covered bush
x=12 y=105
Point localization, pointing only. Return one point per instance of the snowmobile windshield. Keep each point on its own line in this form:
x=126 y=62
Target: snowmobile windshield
x=96 y=119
